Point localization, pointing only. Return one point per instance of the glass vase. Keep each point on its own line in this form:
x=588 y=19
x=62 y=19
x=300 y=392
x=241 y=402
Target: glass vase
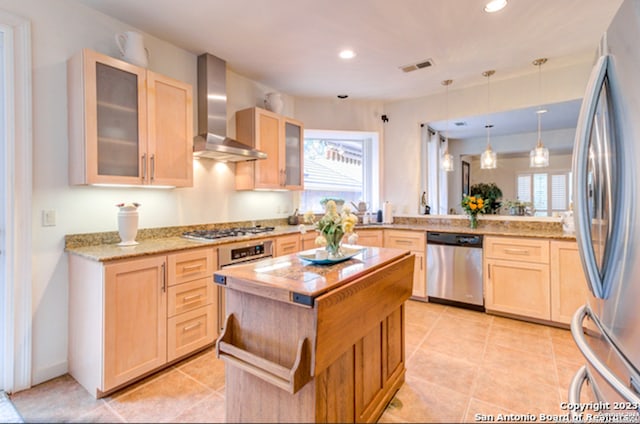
x=334 y=241
x=473 y=221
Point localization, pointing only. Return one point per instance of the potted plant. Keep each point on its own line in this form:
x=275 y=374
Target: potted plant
x=491 y=194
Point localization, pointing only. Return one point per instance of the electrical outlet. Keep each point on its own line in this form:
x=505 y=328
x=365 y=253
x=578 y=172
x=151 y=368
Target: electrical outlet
x=48 y=218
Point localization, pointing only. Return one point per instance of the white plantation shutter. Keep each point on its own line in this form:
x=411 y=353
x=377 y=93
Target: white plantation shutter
x=540 y=193
x=524 y=187
x=559 y=195
x=546 y=191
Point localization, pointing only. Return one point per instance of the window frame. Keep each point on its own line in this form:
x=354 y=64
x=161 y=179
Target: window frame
x=371 y=160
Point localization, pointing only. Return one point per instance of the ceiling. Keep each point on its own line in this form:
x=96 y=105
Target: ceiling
x=558 y=116
x=292 y=45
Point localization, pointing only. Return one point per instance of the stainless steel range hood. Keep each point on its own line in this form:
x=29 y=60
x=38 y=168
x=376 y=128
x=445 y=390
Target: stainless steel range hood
x=212 y=141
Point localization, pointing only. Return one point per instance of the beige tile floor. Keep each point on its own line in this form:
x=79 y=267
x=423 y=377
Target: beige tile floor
x=459 y=363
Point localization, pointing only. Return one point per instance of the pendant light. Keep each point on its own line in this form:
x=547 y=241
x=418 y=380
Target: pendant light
x=539 y=156
x=447 y=158
x=488 y=160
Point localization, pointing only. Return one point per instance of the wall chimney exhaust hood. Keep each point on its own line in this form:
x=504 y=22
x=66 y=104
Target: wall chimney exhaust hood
x=212 y=141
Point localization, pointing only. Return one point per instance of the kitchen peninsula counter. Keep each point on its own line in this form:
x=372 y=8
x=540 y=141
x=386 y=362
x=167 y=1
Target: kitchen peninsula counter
x=315 y=343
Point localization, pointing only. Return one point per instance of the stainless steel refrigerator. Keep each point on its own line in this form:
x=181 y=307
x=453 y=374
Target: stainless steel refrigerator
x=606 y=184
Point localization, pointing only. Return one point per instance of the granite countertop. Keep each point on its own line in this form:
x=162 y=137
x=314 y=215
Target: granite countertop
x=103 y=247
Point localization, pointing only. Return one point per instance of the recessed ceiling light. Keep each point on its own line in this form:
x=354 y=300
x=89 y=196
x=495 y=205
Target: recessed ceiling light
x=347 y=54
x=495 y=5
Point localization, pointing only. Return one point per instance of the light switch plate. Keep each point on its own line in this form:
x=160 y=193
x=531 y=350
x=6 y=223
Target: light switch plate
x=48 y=218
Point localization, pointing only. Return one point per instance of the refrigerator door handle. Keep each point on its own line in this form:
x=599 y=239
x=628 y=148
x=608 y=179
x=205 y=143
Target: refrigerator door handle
x=580 y=179
x=578 y=335
x=575 y=388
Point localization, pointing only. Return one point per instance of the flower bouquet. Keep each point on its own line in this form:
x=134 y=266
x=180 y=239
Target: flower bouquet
x=473 y=205
x=333 y=226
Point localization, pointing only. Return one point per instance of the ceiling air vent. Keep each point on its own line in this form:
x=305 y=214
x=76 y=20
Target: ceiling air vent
x=415 y=66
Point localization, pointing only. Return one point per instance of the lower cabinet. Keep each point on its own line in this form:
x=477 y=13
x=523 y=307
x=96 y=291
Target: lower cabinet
x=286 y=245
x=533 y=278
x=415 y=242
x=568 y=283
x=371 y=238
x=518 y=288
x=135 y=320
x=132 y=317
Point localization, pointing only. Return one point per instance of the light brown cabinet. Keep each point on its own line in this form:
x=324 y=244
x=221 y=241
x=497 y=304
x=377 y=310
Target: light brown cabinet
x=135 y=323
x=131 y=317
x=379 y=360
x=285 y=245
x=415 y=242
x=516 y=276
x=308 y=240
x=127 y=125
x=281 y=138
x=191 y=315
x=372 y=238
x=568 y=283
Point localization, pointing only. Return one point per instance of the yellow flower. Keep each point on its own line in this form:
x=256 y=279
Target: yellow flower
x=473 y=206
x=321 y=241
x=309 y=217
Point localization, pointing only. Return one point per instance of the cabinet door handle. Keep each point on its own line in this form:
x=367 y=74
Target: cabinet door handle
x=153 y=167
x=517 y=251
x=144 y=166
x=192 y=326
x=192 y=298
x=164 y=277
x=191 y=267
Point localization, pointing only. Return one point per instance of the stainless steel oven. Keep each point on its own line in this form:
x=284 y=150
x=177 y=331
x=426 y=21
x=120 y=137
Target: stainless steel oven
x=239 y=254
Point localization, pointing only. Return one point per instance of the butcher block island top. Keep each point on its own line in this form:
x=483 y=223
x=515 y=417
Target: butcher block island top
x=305 y=342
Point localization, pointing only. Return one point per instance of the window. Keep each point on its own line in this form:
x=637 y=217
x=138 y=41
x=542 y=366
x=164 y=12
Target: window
x=340 y=164
x=547 y=192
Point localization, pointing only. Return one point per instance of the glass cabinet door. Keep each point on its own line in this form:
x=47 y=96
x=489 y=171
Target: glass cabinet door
x=293 y=155
x=116 y=93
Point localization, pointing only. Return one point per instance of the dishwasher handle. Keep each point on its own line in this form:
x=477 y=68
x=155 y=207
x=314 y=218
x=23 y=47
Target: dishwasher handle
x=455 y=239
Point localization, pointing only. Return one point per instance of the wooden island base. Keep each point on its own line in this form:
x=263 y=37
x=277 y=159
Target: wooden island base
x=339 y=358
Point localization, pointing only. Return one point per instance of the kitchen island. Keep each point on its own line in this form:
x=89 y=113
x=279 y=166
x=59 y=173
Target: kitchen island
x=305 y=342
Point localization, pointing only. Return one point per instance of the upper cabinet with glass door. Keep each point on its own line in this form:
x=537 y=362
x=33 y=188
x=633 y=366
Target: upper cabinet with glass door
x=281 y=139
x=127 y=125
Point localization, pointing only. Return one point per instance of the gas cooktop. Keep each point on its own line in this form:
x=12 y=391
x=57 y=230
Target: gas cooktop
x=225 y=232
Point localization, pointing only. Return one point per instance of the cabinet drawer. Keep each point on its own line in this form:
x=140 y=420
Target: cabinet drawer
x=190 y=331
x=407 y=240
x=186 y=297
x=525 y=250
x=286 y=245
x=373 y=238
x=190 y=265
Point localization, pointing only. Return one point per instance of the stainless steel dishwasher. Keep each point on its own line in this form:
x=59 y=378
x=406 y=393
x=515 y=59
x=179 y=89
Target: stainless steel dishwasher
x=454 y=269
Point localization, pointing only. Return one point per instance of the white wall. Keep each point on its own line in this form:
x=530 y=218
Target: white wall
x=61 y=28
x=402 y=151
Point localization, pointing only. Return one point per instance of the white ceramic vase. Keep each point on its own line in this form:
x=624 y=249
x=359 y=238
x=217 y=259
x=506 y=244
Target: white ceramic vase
x=274 y=102
x=132 y=50
x=128 y=224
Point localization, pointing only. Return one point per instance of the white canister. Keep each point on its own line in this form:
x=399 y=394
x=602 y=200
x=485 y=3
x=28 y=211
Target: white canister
x=128 y=223
x=274 y=102
x=132 y=50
